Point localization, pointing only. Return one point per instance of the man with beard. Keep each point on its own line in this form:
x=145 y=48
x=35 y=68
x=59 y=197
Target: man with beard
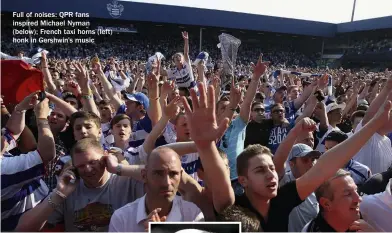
x=258 y=176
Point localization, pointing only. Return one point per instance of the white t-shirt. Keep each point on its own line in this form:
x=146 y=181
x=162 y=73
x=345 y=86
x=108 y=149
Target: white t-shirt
x=376 y=153
x=130 y=217
x=377 y=209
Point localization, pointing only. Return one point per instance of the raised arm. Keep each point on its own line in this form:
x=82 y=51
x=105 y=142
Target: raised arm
x=304 y=126
x=191 y=190
x=186 y=47
x=16 y=123
x=309 y=109
x=235 y=98
x=154 y=110
x=47 y=76
x=353 y=100
x=87 y=95
x=378 y=101
x=182 y=148
x=132 y=171
x=64 y=106
x=46 y=145
x=339 y=155
x=107 y=86
x=169 y=111
x=204 y=136
x=258 y=71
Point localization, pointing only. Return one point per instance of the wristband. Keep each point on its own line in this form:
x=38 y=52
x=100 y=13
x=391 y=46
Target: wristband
x=7 y=135
x=157 y=98
x=51 y=203
x=62 y=195
x=89 y=92
x=87 y=97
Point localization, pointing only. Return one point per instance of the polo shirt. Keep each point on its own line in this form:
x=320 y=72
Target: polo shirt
x=280 y=208
x=130 y=217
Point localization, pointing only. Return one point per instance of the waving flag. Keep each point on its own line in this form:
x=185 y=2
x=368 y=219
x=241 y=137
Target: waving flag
x=18 y=80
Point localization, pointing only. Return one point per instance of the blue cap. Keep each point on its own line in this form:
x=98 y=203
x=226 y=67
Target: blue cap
x=302 y=150
x=202 y=56
x=140 y=98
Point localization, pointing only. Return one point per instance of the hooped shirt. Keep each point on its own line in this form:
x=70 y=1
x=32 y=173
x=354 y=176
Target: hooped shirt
x=183 y=77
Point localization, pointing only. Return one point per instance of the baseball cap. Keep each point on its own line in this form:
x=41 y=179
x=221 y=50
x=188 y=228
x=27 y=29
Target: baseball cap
x=203 y=56
x=140 y=98
x=336 y=136
x=301 y=150
x=333 y=106
x=362 y=102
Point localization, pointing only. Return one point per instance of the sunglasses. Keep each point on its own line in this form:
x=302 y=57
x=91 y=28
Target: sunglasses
x=259 y=110
x=278 y=111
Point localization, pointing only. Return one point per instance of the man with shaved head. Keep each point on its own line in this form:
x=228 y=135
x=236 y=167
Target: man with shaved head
x=162 y=176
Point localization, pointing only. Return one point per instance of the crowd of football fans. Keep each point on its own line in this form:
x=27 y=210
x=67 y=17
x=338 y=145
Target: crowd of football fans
x=121 y=138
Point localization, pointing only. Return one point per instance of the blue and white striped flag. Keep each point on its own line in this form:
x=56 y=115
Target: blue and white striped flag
x=329 y=86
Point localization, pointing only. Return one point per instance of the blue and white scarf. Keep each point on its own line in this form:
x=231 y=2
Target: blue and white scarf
x=276 y=73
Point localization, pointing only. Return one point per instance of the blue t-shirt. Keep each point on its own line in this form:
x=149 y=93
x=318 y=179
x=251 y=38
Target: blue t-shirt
x=277 y=135
x=232 y=143
x=289 y=109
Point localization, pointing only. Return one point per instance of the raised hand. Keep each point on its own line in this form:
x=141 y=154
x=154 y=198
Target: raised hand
x=153 y=217
x=167 y=88
x=44 y=61
x=81 y=76
x=172 y=109
x=322 y=82
x=97 y=67
x=383 y=117
x=111 y=162
x=305 y=125
x=235 y=94
x=202 y=120
x=216 y=82
x=67 y=181
x=73 y=87
x=42 y=109
x=153 y=77
x=260 y=68
x=185 y=35
x=28 y=102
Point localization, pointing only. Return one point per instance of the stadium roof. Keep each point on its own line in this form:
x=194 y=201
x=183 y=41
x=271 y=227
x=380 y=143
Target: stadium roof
x=194 y=16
